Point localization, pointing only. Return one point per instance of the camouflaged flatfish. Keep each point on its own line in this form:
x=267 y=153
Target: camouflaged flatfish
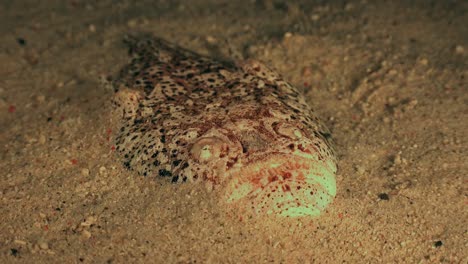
x=239 y=127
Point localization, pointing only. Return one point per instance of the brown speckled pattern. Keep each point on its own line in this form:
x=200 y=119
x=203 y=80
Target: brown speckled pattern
x=187 y=117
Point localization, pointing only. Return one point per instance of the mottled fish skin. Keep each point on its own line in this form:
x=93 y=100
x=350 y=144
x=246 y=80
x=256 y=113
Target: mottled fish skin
x=239 y=127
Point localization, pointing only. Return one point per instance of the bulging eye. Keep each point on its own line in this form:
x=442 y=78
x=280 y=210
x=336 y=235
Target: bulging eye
x=287 y=130
x=208 y=148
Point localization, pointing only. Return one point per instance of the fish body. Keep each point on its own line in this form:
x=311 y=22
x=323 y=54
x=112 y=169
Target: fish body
x=237 y=127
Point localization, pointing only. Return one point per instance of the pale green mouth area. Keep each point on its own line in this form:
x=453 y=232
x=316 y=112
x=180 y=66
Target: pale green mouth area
x=288 y=186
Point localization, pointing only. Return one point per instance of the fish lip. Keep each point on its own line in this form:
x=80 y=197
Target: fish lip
x=248 y=186
x=264 y=161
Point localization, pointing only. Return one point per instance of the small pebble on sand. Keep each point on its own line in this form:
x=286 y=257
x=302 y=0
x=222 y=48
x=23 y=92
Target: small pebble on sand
x=40 y=98
x=132 y=23
x=360 y=170
x=43 y=245
x=85 y=172
x=397 y=159
x=42 y=139
x=19 y=242
x=92 y=28
x=211 y=40
x=86 y=234
x=349 y=7
x=393 y=72
x=90 y=220
x=424 y=62
x=459 y=50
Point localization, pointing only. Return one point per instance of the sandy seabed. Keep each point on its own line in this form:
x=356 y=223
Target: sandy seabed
x=389 y=78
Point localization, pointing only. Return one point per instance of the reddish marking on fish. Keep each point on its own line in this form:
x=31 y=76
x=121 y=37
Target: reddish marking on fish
x=237 y=126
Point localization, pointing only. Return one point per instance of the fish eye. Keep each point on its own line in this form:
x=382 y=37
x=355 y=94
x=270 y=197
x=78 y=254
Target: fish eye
x=207 y=149
x=287 y=130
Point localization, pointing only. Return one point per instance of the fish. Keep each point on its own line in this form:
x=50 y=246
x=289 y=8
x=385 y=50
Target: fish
x=238 y=127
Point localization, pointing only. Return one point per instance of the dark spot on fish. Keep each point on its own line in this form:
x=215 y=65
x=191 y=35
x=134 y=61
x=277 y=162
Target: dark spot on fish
x=164 y=173
x=244 y=149
x=175 y=179
x=185 y=165
x=325 y=135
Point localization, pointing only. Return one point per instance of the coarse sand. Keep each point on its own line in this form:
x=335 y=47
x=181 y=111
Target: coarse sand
x=389 y=78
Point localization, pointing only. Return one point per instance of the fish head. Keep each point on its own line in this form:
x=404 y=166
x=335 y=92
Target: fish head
x=269 y=166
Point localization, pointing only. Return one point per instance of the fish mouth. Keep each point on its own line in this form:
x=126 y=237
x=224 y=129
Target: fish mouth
x=283 y=184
